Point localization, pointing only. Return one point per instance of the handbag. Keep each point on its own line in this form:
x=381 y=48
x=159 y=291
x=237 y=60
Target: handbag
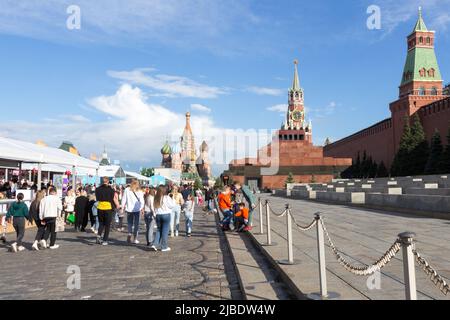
x=59 y=224
x=71 y=218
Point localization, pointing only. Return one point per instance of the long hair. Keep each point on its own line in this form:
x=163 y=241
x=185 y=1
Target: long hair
x=160 y=193
x=39 y=196
x=134 y=186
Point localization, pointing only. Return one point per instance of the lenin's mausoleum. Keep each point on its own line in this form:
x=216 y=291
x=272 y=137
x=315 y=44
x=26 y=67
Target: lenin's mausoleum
x=421 y=91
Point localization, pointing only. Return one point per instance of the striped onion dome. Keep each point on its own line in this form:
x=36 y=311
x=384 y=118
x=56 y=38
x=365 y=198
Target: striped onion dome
x=166 y=149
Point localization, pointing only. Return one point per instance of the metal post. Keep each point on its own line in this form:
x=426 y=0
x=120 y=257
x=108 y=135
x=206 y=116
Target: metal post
x=289 y=235
x=29 y=175
x=261 y=223
x=39 y=177
x=290 y=260
x=74 y=178
x=96 y=177
x=407 y=241
x=269 y=231
x=321 y=253
x=323 y=294
x=6 y=174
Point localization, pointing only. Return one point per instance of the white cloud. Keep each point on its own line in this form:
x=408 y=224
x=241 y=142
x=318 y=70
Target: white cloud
x=394 y=13
x=262 y=91
x=200 y=107
x=76 y=118
x=278 y=108
x=168 y=85
x=133 y=130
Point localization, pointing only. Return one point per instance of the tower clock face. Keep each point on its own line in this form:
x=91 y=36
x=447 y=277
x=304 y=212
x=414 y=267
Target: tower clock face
x=297 y=115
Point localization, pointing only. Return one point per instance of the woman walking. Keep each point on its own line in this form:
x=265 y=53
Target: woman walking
x=133 y=205
x=19 y=212
x=69 y=204
x=189 y=214
x=81 y=211
x=149 y=216
x=163 y=205
x=176 y=212
x=34 y=215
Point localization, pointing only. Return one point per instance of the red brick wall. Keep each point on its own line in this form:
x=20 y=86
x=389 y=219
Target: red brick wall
x=376 y=141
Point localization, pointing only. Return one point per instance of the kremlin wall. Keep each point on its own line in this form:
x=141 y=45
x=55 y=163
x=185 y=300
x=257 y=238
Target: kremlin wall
x=421 y=91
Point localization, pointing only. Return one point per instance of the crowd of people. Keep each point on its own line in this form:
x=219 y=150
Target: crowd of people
x=107 y=206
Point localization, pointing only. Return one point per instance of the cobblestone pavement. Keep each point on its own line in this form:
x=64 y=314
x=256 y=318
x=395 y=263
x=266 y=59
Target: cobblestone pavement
x=363 y=235
x=197 y=268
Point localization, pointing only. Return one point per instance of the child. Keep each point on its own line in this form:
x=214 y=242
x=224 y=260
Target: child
x=241 y=218
x=19 y=212
x=189 y=214
x=224 y=200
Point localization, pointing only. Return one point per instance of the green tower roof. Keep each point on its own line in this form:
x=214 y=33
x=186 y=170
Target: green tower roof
x=420 y=25
x=421 y=58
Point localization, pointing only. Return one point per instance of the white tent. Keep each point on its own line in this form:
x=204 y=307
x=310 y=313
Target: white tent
x=137 y=176
x=27 y=152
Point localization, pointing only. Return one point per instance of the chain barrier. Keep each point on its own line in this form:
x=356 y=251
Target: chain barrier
x=278 y=215
x=362 y=271
x=438 y=281
x=304 y=228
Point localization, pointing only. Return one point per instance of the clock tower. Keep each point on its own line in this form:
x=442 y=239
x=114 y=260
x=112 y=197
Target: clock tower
x=295 y=126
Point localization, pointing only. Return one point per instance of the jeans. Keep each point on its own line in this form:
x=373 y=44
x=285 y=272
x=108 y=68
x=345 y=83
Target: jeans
x=19 y=226
x=50 y=230
x=150 y=222
x=104 y=218
x=175 y=219
x=40 y=232
x=189 y=216
x=162 y=234
x=133 y=223
x=95 y=223
x=227 y=216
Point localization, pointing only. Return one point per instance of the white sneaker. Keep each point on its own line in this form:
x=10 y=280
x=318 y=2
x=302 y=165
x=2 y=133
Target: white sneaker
x=176 y=233
x=35 y=246
x=136 y=241
x=172 y=234
x=104 y=243
x=56 y=246
x=14 y=247
x=43 y=244
x=153 y=248
x=21 y=248
x=166 y=249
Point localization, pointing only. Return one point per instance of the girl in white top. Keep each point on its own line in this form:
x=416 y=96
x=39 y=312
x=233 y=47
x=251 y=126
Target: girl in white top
x=189 y=214
x=149 y=216
x=163 y=205
x=69 y=203
x=133 y=205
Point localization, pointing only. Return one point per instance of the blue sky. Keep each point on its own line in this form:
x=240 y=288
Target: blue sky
x=126 y=78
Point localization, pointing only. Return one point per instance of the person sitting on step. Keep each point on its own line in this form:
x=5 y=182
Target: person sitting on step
x=241 y=218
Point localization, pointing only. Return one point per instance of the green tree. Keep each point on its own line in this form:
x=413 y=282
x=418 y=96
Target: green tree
x=148 y=172
x=290 y=178
x=357 y=167
x=435 y=157
x=419 y=148
x=373 y=168
x=400 y=165
x=198 y=183
x=444 y=166
x=382 y=171
x=219 y=183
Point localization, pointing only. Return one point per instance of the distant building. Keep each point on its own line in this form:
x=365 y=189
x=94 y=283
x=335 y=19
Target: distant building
x=69 y=147
x=290 y=152
x=421 y=92
x=183 y=157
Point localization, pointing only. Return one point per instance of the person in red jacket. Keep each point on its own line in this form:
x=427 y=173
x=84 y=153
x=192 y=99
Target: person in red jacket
x=241 y=218
x=224 y=200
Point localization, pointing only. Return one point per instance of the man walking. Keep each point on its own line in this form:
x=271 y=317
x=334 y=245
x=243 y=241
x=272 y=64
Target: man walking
x=106 y=200
x=49 y=209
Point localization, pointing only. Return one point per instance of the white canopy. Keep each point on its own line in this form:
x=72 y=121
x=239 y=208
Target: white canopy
x=137 y=176
x=110 y=171
x=27 y=152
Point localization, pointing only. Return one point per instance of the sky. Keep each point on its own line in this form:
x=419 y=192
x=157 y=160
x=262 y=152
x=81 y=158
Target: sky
x=128 y=75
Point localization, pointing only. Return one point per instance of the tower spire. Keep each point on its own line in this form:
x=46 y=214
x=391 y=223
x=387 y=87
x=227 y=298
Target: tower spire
x=188 y=122
x=420 y=24
x=296 y=83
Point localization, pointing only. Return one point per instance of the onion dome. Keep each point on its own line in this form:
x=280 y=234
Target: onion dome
x=176 y=148
x=166 y=149
x=204 y=147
